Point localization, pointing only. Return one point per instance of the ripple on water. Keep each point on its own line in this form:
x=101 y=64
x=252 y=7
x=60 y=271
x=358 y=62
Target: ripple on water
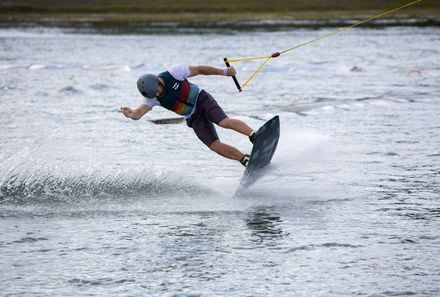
x=70 y=90
x=330 y=245
x=30 y=239
x=99 y=281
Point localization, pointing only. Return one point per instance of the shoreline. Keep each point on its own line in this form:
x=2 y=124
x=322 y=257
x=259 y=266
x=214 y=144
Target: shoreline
x=145 y=11
x=123 y=23
x=303 y=15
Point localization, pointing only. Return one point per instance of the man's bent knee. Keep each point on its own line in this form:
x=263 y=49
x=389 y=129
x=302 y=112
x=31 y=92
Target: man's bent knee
x=215 y=145
x=225 y=123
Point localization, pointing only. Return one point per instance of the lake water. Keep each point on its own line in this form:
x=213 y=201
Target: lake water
x=94 y=204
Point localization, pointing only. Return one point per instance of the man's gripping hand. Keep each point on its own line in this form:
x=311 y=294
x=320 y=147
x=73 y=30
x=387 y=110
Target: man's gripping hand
x=230 y=71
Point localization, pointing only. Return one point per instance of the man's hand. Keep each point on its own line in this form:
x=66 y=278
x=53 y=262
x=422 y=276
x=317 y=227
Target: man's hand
x=137 y=113
x=127 y=111
x=230 y=71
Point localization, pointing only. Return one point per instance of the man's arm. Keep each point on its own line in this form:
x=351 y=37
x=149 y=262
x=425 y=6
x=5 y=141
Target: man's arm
x=208 y=70
x=137 y=113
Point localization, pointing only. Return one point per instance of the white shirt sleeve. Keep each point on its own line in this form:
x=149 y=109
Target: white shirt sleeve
x=151 y=102
x=179 y=71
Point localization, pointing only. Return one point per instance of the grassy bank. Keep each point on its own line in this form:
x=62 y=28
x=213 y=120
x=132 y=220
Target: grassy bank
x=188 y=10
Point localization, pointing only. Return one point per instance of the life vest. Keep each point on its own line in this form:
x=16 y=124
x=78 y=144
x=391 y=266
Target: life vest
x=180 y=95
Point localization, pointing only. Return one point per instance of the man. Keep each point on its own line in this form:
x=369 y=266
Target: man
x=172 y=90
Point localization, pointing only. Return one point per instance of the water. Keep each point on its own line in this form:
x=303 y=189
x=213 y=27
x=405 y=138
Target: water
x=94 y=204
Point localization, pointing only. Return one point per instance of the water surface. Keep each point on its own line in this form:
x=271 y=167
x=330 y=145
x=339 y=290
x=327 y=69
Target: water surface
x=92 y=203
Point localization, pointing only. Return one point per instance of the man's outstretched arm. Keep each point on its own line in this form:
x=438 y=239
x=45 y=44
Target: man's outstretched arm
x=137 y=113
x=208 y=70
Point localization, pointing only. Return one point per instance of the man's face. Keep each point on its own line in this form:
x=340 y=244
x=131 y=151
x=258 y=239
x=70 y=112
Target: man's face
x=160 y=87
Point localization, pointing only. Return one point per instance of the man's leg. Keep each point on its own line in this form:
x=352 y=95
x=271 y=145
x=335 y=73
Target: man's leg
x=237 y=125
x=208 y=112
x=205 y=131
x=226 y=151
x=214 y=113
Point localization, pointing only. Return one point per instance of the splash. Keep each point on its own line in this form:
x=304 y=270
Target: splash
x=24 y=182
x=300 y=146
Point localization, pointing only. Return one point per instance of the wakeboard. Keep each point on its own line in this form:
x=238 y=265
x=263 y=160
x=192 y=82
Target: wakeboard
x=265 y=144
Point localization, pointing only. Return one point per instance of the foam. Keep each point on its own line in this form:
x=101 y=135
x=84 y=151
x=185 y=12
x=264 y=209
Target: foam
x=298 y=146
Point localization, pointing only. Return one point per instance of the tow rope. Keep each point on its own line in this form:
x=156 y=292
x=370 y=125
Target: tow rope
x=277 y=54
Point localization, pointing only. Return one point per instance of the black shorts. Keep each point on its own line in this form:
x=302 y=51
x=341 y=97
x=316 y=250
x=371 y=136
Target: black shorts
x=207 y=112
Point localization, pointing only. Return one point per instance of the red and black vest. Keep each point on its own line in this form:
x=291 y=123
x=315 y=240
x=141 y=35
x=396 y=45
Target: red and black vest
x=179 y=96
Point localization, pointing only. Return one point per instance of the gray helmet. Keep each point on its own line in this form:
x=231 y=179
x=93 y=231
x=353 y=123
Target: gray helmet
x=147 y=85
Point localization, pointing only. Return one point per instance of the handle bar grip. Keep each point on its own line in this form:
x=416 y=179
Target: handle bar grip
x=237 y=84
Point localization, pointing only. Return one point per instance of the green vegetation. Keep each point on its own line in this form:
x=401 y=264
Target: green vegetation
x=145 y=10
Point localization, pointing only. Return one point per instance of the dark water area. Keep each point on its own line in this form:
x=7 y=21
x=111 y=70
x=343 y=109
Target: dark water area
x=215 y=26
x=94 y=204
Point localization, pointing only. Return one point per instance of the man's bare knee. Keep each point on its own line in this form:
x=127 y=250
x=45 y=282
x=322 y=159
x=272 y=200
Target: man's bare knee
x=215 y=146
x=225 y=123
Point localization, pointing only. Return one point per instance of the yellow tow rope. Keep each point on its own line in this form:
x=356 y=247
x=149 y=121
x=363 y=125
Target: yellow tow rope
x=277 y=54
